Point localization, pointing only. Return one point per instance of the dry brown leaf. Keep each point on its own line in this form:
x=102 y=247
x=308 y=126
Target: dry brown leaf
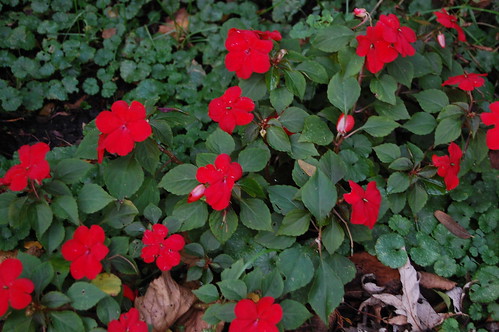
x=192 y=321
x=456 y=295
x=7 y=254
x=47 y=109
x=397 y=320
x=178 y=27
x=451 y=225
x=164 y=302
x=430 y=280
x=108 y=33
x=410 y=294
x=367 y=263
x=309 y=169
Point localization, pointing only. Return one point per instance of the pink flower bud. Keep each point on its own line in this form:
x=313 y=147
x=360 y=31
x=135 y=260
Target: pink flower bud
x=196 y=193
x=345 y=124
x=441 y=39
x=360 y=12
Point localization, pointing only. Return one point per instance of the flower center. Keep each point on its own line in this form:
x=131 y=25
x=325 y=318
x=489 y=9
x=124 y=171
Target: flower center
x=365 y=200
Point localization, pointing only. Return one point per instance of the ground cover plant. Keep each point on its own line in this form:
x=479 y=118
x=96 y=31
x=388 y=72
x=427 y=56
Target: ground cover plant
x=251 y=166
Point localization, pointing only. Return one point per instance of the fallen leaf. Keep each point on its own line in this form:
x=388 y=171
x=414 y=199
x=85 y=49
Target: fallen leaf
x=76 y=104
x=430 y=280
x=108 y=283
x=369 y=285
x=108 y=33
x=397 y=320
x=451 y=225
x=165 y=301
x=456 y=295
x=178 y=27
x=385 y=276
x=7 y=254
x=47 y=109
x=192 y=321
x=309 y=169
x=410 y=294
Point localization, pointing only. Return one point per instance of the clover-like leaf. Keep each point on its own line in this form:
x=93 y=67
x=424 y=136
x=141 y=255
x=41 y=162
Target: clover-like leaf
x=390 y=250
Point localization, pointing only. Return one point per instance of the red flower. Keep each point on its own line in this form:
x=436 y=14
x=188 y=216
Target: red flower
x=220 y=179
x=165 y=251
x=266 y=35
x=345 y=123
x=85 y=251
x=129 y=293
x=33 y=166
x=376 y=48
x=401 y=37
x=365 y=204
x=467 y=82
x=448 y=166
x=128 y=322
x=490 y=119
x=12 y=290
x=121 y=128
x=231 y=110
x=261 y=316
x=450 y=21
x=248 y=53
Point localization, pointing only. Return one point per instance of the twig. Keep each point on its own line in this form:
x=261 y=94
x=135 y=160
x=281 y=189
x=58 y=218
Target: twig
x=348 y=230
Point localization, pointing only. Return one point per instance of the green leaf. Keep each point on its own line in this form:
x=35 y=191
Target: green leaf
x=180 y=180
x=54 y=299
x=108 y=309
x=379 y=126
x=293 y=119
x=254 y=159
x=207 y=293
x=397 y=183
x=427 y=250
x=350 y=62
x=332 y=237
x=333 y=38
x=295 y=82
x=254 y=87
x=220 y=142
x=233 y=289
x=326 y=292
x=487 y=291
x=294 y=314
x=280 y=98
x=123 y=176
x=332 y=166
x=71 y=170
x=17 y=321
x=65 y=321
x=313 y=70
x=395 y=112
x=343 y=92
x=120 y=214
x=162 y=131
x=402 y=70
x=319 y=195
x=91 y=86
x=401 y=164
x=84 y=295
x=295 y=223
x=341 y=263
x=278 y=139
x=41 y=276
x=282 y=198
x=147 y=154
x=316 y=130
x=421 y=123
x=448 y=130
x=41 y=217
x=192 y=215
x=255 y=214
x=297 y=267
x=108 y=283
x=272 y=284
x=223 y=224
x=65 y=207
x=417 y=198
x=384 y=89
x=387 y=152
x=390 y=250
x=301 y=150
x=432 y=100
x=53 y=237
x=93 y=198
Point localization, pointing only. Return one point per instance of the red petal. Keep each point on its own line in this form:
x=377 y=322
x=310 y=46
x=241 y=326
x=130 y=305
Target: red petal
x=149 y=253
x=451 y=181
x=160 y=230
x=455 y=153
x=244 y=104
x=72 y=249
x=23 y=285
x=246 y=310
x=10 y=270
x=373 y=195
x=217 y=109
x=39 y=171
x=120 y=109
x=263 y=326
x=234 y=60
x=360 y=213
x=356 y=194
x=232 y=93
x=136 y=112
x=364 y=45
x=116 y=326
x=492 y=139
x=227 y=123
x=218 y=195
x=17 y=177
x=4 y=302
x=85 y=266
x=175 y=242
x=241 y=117
x=460 y=33
x=242 y=325
x=454 y=80
x=259 y=62
x=139 y=130
x=108 y=122
x=208 y=174
x=119 y=142
x=19 y=299
x=99 y=251
x=222 y=162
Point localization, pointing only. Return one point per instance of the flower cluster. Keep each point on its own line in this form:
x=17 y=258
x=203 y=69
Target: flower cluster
x=256 y=316
x=231 y=110
x=466 y=82
x=128 y=322
x=450 y=21
x=121 y=127
x=384 y=42
x=13 y=290
x=164 y=250
x=449 y=166
x=217 y=182
x=249 y=51
x=85 y=251
x=365 y=203
x=33 y=167
x=490 y=119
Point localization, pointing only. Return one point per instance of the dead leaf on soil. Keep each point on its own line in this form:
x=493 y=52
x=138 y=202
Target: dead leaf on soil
x=451 y=225
x=366 y=263
x=192 y=321
x=430 y=280
x=309 y=169
x=176 y=28
x=108 y=33
x=164 y=302
x=457 y=296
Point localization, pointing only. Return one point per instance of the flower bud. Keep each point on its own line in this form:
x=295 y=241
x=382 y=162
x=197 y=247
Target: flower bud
x=196 y=193
x=360 y=12
x=441 y=39
x=345 y=123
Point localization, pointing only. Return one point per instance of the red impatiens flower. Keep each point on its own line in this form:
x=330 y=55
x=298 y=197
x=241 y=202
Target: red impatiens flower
x=128 y=322
x=490 y=119
x=448 y=166
x=345 y=123
x=33 y=166
x=129 y=293
x=12 y=290
x=400 y=36
x=261 y=316
x=231 y=110
x=466 y=82
x=450 y=21
x=377 y=50
x=121 y=128
x=248 y=53
x=85 y=251
x=365 y=204
x=266 y=35
x=164 y=250
x=219 y=180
